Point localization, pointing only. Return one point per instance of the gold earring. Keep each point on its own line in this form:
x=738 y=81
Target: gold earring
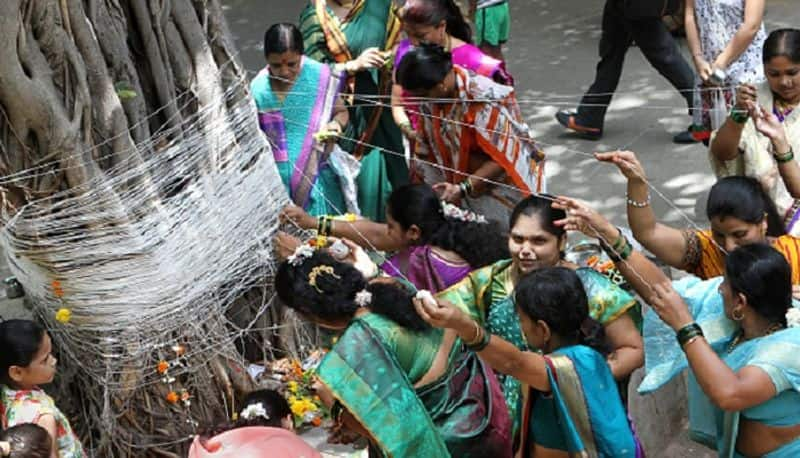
x=737 y=316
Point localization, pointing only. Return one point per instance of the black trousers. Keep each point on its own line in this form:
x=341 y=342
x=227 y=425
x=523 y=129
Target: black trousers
x=657 y=45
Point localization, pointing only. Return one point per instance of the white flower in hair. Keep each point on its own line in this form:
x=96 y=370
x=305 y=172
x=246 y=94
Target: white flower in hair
x=793 y=317
x=253 y=411
x=451 y=211
x=302 y=253
x=363 y=298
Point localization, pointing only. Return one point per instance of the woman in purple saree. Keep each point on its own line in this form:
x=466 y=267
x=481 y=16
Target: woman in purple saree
x=436 y=245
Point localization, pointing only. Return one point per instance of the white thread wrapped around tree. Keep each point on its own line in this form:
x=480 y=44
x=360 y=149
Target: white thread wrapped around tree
x=138 y=194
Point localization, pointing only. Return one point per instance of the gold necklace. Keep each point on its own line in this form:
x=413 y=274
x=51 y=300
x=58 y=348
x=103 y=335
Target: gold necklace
x=773 y=328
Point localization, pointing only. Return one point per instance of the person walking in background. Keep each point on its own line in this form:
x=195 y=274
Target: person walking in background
x=725 y=38
x=492 y=24
x=622 y=26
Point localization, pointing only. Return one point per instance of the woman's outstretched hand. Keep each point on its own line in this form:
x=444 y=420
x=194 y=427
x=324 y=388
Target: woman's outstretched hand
x=669 y=306
x=768 y=125
x=440 y=313
x=285 y=244
x=294 y=214
x=584 y=219
x=626 y=162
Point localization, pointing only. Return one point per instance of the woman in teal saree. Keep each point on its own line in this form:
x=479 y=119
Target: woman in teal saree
x=535 y=242
x=318 y=176
x=411 y=389
x=360 y=38
x=744 y=388
x=576 y=409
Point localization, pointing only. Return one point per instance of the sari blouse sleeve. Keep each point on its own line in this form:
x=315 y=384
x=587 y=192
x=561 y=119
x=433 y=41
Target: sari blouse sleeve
x=607 y=301
x=779 y=360
x=468 y=294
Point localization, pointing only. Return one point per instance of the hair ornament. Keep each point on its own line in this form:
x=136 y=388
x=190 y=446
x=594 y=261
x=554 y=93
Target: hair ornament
x=301 y=253
x=451 y=211
x=253 y=411
x=363 y=298
x=319 y=270
x=793 y=317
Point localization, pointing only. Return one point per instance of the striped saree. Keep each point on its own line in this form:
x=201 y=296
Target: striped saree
x=485 y=120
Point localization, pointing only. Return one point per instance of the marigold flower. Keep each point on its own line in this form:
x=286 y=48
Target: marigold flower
x=297 y=369
x=297 y=408
x=63 y=315
x=57 y=290
x=172 y=397
x=162 y=367
x=292 y=385
x=316 y=421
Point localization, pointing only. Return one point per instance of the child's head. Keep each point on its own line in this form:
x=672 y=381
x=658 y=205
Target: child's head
x=26 y=440
x=552 y=303
x=265 y=408
x=26 y=359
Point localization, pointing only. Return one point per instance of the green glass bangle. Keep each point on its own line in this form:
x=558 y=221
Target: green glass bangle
x=620 y=251
x=739 y=116
x=785 y=158
x=688 y=332
x=625 y=253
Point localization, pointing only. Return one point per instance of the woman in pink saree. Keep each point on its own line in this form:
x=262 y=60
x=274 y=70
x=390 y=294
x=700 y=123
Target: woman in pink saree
x=439 y=22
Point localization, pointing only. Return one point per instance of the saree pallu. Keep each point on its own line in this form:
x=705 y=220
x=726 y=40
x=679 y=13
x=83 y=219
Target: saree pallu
x=305 y=165
x=486 y=295
x=775 y=354
x=371 y=134
x=583 y=414
x=706 y=260
x=467 y=56
x=484 y=120
x=461 y=414
x=425 y=269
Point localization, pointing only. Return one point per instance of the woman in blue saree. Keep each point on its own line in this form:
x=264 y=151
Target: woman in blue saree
x=412 y=390
x=576 y=408
x=744 y=389
x=297 y=99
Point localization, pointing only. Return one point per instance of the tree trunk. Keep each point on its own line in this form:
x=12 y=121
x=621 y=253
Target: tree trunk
x=100 y=103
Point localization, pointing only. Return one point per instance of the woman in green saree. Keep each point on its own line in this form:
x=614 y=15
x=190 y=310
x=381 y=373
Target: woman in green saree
x=359 y=36
x=576 y=409
x=535 y=242
x=411 y=389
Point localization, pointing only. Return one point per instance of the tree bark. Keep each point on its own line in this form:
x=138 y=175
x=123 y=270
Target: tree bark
x=94 y=87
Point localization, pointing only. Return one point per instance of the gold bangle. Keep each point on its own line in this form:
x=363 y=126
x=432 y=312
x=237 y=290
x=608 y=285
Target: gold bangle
x=478 y=334
x=690 y=341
